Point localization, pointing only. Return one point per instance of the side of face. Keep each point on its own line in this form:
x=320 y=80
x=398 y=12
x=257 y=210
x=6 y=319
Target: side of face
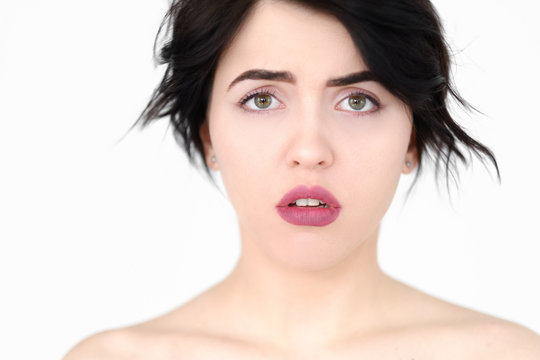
x=353 y=139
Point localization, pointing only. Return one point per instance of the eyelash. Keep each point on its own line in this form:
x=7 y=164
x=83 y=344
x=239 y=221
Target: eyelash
x=265 y=91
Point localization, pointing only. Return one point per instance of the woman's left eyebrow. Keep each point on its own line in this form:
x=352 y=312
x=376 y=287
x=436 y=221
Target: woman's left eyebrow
x=286 y=76
x=353 y=78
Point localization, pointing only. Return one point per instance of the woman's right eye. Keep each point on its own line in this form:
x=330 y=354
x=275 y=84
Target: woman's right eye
x=259 y=102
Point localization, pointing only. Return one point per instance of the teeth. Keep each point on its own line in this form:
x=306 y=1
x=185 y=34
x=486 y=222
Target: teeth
x=309 y=202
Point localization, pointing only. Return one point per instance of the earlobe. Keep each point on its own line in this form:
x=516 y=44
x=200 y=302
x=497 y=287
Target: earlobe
x=408 y=166
x=411 y=158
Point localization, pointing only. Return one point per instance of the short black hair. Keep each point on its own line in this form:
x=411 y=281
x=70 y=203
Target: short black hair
x=401 y=42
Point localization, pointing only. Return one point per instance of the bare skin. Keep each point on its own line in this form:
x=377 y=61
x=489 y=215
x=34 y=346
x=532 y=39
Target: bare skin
x=306 y=292
x=419 y=327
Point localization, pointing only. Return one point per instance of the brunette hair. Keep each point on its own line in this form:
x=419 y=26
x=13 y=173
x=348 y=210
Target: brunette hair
x=401 y=42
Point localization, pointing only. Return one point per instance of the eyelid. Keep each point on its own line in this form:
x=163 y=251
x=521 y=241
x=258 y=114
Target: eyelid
x=252 y=93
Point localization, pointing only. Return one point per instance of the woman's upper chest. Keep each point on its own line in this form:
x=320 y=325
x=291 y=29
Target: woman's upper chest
x=438 y=345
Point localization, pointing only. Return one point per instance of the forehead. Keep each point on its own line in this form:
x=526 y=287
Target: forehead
x=281 y=35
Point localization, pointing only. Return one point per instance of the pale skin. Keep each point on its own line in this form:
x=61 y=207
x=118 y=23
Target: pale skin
x=305 y=292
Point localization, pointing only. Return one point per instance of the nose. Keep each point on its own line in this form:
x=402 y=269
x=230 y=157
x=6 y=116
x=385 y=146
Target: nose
x=310 y=143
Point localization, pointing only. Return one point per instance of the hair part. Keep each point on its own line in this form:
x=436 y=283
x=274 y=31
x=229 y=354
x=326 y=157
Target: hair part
x=401 y=42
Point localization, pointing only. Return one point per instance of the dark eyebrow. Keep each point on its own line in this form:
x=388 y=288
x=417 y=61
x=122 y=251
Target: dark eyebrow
x=352 y=79
x=257 y=74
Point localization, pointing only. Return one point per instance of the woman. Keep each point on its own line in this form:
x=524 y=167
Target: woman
x=312 y=111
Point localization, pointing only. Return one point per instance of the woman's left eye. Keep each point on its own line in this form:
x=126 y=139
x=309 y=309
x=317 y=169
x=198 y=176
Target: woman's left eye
x=260 y=101
x=360 y=103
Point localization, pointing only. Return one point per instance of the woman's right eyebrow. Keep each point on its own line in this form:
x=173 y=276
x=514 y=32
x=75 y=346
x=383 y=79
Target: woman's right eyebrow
x=286 y=76
x=259 y=74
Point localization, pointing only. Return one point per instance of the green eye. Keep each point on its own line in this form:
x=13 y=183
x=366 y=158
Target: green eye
x=262 y=101
x=357 y=102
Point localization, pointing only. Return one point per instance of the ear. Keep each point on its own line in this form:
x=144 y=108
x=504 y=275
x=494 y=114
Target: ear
x=411 y=157
x=204 y=133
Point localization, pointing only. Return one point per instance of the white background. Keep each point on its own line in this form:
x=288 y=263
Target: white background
x=100 y=232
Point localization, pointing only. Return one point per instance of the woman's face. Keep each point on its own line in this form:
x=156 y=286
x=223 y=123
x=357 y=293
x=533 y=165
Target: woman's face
x=302 y=128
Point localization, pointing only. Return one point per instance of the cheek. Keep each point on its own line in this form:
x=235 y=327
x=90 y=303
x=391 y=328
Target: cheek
x=376 y=159
x=241 y=162
x=378 y=146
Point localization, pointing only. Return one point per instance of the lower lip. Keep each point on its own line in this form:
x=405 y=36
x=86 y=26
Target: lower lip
x=308 y=216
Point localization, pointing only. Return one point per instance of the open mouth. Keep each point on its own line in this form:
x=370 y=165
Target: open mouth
x=309 y=206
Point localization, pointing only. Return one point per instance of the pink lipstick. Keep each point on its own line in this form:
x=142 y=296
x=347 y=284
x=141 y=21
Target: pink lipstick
x=311 y=215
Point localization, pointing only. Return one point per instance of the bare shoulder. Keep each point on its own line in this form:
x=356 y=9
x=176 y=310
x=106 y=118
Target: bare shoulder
x=148 y=341
x=486 y=337
x=171 y=335
x=504 y=340
x=460 y=331
x=489 y=337
x=106 y=345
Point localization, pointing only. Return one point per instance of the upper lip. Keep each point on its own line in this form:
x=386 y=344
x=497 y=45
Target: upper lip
x=304 y=192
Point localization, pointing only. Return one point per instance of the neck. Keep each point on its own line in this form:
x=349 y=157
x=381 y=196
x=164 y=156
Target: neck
x=296 y=308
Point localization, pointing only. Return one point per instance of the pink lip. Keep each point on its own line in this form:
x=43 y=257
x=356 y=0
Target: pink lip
x=309 y=216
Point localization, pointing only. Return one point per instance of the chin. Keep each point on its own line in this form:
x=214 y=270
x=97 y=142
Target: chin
x=308 y=250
